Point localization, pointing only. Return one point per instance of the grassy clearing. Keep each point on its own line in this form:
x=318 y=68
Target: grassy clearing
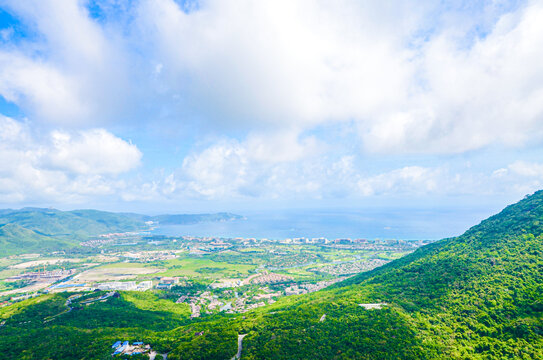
x=107 y=273
x=252 y=249
x=4 y=274
x=151 y=302
x=123 y=265
x=298 y=273
x=5 y=262
x=188 y=267
x=9 y=311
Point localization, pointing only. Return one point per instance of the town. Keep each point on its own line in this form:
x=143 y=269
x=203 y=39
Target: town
x=207 y=274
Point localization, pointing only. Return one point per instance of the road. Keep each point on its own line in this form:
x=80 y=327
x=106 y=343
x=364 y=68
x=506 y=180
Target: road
x=240 y=345
x=68 y=304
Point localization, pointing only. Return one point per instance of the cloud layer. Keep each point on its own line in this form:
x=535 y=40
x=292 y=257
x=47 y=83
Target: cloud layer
x=284 y=63
x=282 y=99
x=61 y=166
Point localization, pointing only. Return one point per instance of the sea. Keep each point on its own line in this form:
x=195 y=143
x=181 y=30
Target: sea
x=403 y=224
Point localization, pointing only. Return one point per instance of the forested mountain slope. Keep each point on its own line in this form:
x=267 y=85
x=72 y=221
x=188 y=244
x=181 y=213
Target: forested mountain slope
x=479 y=295
x=45 y=230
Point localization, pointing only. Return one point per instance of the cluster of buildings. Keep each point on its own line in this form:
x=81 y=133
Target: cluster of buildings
x=352 y=267
x=207 y=302
x=267 y=278
x=226 y=283
x=264 y=277
x=308 y=288
x=167 y=283
x=124 y=348
x=105 y=239
x=124 y=285
x=194 y=310
x=43 y=276
x=96 y=242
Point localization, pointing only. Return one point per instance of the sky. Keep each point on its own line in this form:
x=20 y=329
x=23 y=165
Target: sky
x=234 y=105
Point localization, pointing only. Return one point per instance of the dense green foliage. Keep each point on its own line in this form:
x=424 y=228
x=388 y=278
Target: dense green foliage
x=15 y=239
x=477 y=296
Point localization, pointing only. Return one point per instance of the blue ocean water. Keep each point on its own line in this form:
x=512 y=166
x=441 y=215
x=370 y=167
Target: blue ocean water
x=406 y=224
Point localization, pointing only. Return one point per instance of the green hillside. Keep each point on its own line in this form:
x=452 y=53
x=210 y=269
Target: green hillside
x=45 y=230
x=477 y=296
x=13 y=238
x=77 y=223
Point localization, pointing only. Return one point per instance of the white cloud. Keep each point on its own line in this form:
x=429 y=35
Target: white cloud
x=265 y=165
x=60 y=166
x=410 y=81
x=526 y=169
x=232 y=170
x=39 y=86
x=471 y=97
x=279 y=62
x=409 y=179
x=94 y=151
x=307 y=63
x=520 y=177
x=405 y=77
x=75 y=73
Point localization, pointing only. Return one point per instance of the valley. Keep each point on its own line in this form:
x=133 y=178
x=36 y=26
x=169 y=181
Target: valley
x=476 y=296
x=209 y=274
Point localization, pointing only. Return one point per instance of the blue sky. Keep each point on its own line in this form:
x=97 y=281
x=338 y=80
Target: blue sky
x=243 y=105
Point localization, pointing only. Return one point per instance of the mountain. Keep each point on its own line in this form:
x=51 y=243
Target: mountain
x=77 y=223
x=476 y=296
x=13 y=238
x=186 y=219
x=43 y=230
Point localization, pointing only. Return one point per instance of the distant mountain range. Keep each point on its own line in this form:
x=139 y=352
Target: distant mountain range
x=44 y=230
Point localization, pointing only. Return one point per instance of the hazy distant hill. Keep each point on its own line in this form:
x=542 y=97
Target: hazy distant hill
x=15 y=239
x=38 y=229
x=185 y=219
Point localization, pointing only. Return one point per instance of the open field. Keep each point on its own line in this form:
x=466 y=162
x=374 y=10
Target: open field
x=125 y=265
x=252 y=249
x=4 y=274
x=34 y=263
x=27 y=289
x=114 y=273
x=202 y=268
x=4 y=262
x=151 y=302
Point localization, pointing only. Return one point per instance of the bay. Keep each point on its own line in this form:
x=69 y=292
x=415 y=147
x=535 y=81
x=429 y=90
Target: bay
x=402 y=223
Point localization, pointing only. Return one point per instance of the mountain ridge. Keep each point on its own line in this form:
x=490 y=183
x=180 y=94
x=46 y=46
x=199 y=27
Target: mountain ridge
x=68 y=228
